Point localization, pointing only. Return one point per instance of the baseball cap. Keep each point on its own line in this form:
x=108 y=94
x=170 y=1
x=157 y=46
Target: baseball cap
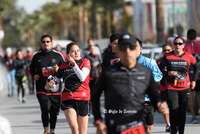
x=8 y=50
x=29 y=49
x=127 y=40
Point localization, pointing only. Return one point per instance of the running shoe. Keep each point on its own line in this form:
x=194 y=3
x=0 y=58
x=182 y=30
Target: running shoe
x=194 y=120
x=168 y=128
x=23 y=100
x=45 y=132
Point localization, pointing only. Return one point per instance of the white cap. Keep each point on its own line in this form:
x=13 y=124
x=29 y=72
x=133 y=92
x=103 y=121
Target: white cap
x=29 y=49
x=8 y=50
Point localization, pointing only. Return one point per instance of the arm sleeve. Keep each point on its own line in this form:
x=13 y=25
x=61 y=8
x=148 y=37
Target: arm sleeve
x=162 y=66
x=196 y=71
x=84 y=72
x=157 y=74
x=153 y=92
x=96 y=94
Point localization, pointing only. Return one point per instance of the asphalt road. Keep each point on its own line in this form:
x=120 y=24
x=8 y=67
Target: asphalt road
x=25 y=117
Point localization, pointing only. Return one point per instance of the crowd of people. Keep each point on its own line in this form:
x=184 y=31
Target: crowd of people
x=134 y=86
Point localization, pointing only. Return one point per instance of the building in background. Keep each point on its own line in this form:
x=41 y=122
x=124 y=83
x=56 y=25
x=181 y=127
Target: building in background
x=144 y=18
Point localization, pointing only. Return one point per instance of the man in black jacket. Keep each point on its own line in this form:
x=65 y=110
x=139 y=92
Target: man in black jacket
x=43 y=64
x=125 y=85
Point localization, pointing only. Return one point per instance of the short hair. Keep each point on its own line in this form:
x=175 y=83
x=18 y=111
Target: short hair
x=139 y=41
x=166 y=45
x=70 y=45
x=114 y=36
x=191 y=34
x=179 y=37
x=44 y=36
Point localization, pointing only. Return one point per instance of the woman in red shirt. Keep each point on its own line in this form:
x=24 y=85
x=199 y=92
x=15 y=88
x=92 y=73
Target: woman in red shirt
x=178 y=83
x=76 y=93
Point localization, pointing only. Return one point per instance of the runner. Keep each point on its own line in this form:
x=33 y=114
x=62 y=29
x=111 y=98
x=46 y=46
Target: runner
x=8 y=59
x=178 y=84
x=110 y=57
x=166 y=48
x=76 y=94
x=95 y=61
x=149 y=109
x=193 y=47
x=19 y=64
x=30 y=78
x=44 y=64
x=125 y=84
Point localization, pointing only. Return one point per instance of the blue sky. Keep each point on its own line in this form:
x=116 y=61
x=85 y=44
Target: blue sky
x=31 y=5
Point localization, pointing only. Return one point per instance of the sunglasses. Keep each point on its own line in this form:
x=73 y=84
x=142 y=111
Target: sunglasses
x=166 y=50
x=45 y=41
x=178 y=43
x=124 y=47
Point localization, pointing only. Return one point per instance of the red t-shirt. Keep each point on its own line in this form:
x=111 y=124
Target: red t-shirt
x=180 y=64
x=192 y=47
x=74 y=88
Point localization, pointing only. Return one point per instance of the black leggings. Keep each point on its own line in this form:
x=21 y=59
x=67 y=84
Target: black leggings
x=49 y=106
x=21 y=82
x=53 y=118
x=177 y=101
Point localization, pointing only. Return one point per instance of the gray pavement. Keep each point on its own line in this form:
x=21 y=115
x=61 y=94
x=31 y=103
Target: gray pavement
x=25 y=118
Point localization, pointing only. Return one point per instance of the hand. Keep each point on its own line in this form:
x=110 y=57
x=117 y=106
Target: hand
x=101 y=128
x=172 y=73
x=71 y=60
x=56 y=68
x=36 y=77
x=192 y=85
x=50 y=84
x=163 y=107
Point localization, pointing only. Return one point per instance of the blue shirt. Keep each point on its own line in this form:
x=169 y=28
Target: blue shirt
x=151 y=64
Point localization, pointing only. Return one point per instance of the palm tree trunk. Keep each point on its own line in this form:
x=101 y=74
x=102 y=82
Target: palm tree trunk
x=81 y=25
x=160 y=22
x=105 y=23
x=98 y=18
x=86 y=26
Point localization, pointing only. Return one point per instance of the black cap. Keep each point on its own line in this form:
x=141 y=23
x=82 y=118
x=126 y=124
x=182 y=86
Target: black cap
x=127 y=39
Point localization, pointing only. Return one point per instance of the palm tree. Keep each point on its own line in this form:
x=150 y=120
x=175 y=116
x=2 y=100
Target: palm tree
x=160 y=22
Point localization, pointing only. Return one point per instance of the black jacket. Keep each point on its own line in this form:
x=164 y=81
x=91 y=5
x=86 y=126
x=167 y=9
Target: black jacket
x=93 y=59
x=124 y=91
x=19 y=65
x=109 y=58
x=42 y=64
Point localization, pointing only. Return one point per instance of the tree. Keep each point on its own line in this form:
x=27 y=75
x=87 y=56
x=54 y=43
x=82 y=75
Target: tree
x=160 y=22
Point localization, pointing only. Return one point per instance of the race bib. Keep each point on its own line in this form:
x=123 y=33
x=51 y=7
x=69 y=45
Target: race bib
x=135 y=130
x=46 y=71
x=180 y=82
